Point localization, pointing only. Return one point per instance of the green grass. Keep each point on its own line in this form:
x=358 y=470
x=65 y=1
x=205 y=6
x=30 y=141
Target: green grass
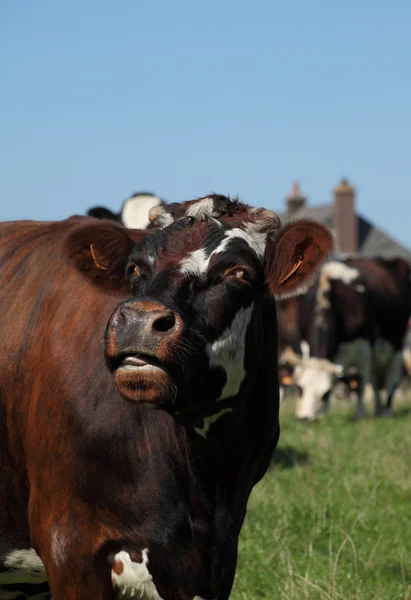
x=331 y=519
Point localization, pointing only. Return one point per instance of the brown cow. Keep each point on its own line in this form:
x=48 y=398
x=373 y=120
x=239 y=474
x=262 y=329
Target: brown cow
x=127 y=459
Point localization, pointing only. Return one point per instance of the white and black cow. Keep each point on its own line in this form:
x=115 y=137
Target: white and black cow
x=354 y=317
x=139 y=396
x=134 y=212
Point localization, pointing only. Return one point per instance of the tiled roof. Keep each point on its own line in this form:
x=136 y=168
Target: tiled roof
x=372 y=241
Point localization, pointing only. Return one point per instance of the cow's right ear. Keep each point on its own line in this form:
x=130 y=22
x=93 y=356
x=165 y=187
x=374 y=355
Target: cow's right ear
x=100 y=251
x=294 y=255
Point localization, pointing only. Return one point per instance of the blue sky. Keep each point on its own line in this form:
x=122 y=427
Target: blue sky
x=100 y=99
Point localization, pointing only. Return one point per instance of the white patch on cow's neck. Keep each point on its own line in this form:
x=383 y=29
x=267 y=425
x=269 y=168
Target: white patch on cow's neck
x=25 y=567
x=135 y=580
x=322 y=300
x=208 y=421
x=135 y=211
x=341 y=271
x=228 y=351
x=201 y=208
x=196 y=263
x=333 y=270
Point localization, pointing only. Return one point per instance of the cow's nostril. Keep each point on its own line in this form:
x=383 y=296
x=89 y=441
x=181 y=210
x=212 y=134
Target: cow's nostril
x=164 y=323
x=121 y=316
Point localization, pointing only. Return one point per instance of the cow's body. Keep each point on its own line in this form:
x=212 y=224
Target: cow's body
x=117 y=498
x=356 y=317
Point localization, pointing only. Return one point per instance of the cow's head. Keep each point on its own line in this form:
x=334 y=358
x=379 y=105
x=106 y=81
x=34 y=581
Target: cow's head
x=315 y=378
x=189 y=337
x=214 y=206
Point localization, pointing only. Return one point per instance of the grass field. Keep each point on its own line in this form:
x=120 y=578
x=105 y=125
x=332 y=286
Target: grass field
x=332 y=517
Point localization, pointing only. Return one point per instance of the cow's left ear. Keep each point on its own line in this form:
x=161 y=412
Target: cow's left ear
x=294 y=255
x=100 y=251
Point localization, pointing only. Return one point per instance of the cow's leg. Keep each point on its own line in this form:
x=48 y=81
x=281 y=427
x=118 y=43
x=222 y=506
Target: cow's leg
x=358 y=354
x=79 y=576
x=88 y=563
x=365 y=394
x=76 y=559
x=360 y=411
x=377 y=401
x=393 y=380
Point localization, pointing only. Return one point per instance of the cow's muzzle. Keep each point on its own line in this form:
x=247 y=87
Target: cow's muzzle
x=140 y=340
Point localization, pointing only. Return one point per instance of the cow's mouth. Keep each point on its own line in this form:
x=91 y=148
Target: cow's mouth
x=143 y=378
x=138 y=361
x=134 y=362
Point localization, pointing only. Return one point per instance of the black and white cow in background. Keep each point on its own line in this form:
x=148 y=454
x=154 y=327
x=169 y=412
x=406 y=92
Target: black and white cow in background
x=134 y=212
x=354 y=317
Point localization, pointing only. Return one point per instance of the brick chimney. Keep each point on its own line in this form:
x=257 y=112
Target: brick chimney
x=345 y=218
x=295 y=199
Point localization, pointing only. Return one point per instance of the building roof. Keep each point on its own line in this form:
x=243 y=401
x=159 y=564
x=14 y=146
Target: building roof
x=372 y=241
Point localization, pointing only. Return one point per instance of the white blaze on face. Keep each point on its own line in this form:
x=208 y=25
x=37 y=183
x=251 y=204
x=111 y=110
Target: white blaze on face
x=135 y=211
x=315 y=377
x=196 y=263
x=251 y=234
x=25 y=567
x=132 y=580
x=228 y=351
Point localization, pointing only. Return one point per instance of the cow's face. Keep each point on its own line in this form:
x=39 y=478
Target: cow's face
x=315 y=378
x=189 y=337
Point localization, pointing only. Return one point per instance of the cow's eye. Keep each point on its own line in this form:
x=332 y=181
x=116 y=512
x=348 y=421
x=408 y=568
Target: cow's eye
x=238 y=273
x=133 y=271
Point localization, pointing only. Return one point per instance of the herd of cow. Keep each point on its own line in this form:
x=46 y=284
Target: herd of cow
x=351 y=326
x=139 y=400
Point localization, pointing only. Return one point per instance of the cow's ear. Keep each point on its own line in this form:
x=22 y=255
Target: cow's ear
x=100 y=212
x=294 y=256
x=100 y=251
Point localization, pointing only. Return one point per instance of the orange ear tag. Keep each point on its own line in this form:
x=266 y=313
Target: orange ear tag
x=293 y=270
x=97 y=262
